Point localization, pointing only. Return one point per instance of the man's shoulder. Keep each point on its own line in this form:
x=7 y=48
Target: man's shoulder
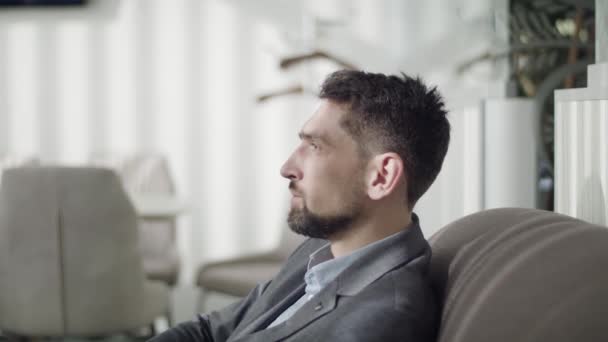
x=412 y=288
x=407 y=294
x=404 y=283
x=405 y=289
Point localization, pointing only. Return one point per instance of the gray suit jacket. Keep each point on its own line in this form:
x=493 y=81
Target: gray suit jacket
x=385 y=296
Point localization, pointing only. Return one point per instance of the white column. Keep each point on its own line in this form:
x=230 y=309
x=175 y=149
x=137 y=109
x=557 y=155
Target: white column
x=581 y=127
x=510 y=153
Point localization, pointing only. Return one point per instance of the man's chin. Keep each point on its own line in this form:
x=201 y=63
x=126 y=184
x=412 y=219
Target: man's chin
x=303 y=222
x=297 y=220
x=296 y=216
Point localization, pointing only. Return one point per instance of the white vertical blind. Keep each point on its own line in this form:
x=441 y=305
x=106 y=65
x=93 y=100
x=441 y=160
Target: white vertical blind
x=119 y=56
x=180 y=78
x=220 y=145
x=4 y=124
x=581 y=158
x=22 y=91
x=511 y=145
x=581 y=127
x=72 y=89
x=172 y=77
x=459 y=187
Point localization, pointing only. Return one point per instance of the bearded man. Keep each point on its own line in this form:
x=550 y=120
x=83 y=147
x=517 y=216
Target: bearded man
x=372 y=148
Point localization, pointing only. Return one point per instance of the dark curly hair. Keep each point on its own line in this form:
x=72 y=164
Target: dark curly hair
x=396 y=114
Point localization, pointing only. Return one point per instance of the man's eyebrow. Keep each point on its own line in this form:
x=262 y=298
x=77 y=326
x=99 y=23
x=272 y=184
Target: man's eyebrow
x=313 y=136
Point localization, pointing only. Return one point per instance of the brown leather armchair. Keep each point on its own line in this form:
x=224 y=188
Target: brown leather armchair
x=515 y=275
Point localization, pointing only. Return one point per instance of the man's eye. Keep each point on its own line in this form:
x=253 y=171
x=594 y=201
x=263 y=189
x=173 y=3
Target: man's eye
x=314 y=146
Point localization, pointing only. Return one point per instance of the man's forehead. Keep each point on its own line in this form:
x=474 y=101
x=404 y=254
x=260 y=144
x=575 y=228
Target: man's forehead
x=325 y=120
x=312 y=131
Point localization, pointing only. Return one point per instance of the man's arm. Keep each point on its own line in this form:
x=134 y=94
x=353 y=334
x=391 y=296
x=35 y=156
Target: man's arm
x=214 y=327
x=196 y=330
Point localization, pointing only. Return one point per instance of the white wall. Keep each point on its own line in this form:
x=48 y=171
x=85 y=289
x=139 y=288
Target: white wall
x=581 y=148
x=177 y=77
x=581 y=143
x=180 y=78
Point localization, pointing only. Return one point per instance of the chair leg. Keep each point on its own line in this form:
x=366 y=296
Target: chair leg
x=202 y=297
x=169 y=318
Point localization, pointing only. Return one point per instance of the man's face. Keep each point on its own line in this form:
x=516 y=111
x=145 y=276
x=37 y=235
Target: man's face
x=326 y=173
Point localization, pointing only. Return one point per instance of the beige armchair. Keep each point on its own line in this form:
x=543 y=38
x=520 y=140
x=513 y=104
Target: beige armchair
x=69 y=258
x=149 y=174
x=521 y=275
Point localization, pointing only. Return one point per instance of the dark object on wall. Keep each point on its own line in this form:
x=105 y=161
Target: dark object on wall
x=296 y=89
x=288 y=62
x=42 y=2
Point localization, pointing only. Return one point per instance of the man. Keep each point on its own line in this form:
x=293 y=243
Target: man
x=372 y=148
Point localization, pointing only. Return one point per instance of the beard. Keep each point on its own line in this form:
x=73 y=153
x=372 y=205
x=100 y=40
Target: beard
x=304 y=222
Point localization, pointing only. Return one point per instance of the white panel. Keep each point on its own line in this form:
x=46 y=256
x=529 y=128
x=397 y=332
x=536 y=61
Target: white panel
x=171 y=109
x=563 y=158
x=73 y=93
x=597 y=187
x=191 y=235
x=146 y=29
x=603 y=152
x=219 y=145
x=510 y=153
x=575 y=120
x=458 y=189
x=580 y=165
x=445 y=197
x=4 y=129
x=121 y=83
x=473 y=180
x=22 y=90
x=591 y=200
x=171 y=83
x=581 y=153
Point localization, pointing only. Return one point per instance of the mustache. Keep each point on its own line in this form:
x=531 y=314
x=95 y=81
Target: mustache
x=294 y=188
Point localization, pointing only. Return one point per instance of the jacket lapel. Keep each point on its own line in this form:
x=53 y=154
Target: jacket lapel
x=315 y=308
x=267 y=317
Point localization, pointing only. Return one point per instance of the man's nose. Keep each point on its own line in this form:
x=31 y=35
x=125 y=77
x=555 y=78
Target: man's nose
x=290 y=171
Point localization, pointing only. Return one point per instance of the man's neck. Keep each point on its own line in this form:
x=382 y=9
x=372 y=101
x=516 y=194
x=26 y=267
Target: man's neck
x=368 y=231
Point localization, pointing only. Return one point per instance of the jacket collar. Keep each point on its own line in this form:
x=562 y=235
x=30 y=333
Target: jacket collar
x=378 y=262
x=356 y=277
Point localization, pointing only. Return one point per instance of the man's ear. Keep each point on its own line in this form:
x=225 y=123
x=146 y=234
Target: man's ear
x=385 y=174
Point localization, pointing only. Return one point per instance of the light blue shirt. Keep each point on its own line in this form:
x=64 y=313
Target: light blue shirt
x=323 y=268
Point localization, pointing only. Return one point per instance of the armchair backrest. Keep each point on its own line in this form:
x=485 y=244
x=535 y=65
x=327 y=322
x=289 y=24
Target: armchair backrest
x=145 y=174
x=521 y=275
x=69 y=261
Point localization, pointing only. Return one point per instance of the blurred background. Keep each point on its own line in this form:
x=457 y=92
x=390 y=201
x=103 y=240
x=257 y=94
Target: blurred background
x=218 y=89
